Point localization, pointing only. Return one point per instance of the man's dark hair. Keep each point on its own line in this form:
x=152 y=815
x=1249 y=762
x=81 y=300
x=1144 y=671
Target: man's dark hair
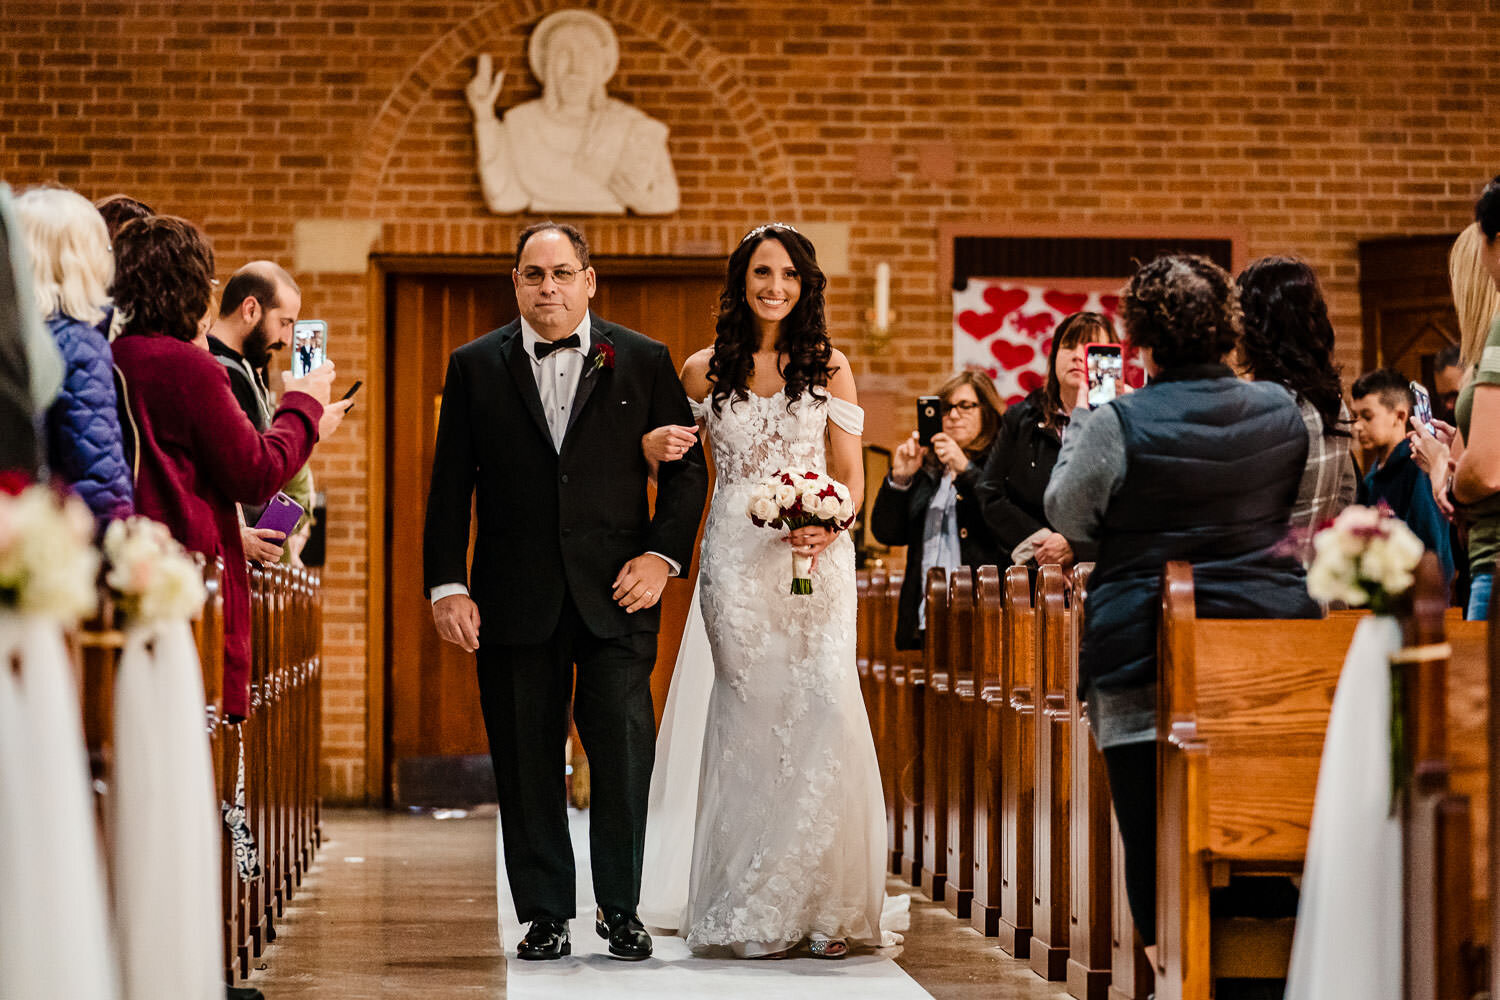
x=119 y=209
x=1388 y=385
x=1184 y=308
x=1449 y=357
x=580 y=245
x=255 y=281
x=1487 y=209
x=164 y=271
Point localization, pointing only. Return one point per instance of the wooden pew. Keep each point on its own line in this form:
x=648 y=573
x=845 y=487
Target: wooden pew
x=910 y=689
x=958 y=895
x=1242 y=708
x=1090 y=896
x=1017 y=750
x=1053 y=761
x=1445 y=674
x=937 y=711
x=989 y=777
x=882 y=639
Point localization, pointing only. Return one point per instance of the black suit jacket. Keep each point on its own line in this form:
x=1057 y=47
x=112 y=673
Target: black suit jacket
x=553 y=522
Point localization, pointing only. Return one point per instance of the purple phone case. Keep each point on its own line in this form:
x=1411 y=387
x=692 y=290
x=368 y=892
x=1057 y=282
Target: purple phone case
x=281 y=514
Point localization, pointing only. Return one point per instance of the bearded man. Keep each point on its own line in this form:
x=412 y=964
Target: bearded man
x=257 y=314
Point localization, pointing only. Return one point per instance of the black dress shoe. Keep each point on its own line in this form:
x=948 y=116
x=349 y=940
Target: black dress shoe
x=628 y=940
x=545 y=940
x=243 y=993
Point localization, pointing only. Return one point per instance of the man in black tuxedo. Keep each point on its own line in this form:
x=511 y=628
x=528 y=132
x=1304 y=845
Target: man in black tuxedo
x=545 y=417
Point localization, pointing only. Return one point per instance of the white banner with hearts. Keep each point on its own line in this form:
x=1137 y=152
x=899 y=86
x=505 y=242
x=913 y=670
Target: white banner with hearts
x=1004 y=327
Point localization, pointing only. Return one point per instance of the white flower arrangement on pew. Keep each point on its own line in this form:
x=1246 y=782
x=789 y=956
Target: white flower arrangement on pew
x=798 y=498
x=1365 y=557
x=48 y=564
x=151 y=574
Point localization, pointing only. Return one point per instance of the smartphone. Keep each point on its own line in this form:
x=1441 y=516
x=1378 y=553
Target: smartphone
x=929 y=419
x=281 y=514
x=352 y=390
x=1106 y=370
x=1422 y=412
x=308 y=350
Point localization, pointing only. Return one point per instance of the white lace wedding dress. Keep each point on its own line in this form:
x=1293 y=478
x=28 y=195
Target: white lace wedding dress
x=789 y=836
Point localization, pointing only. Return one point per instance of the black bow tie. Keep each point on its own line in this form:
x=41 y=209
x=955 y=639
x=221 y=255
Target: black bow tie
x=546 y=347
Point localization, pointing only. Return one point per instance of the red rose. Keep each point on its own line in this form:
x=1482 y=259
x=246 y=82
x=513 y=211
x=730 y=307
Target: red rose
x=604 y=356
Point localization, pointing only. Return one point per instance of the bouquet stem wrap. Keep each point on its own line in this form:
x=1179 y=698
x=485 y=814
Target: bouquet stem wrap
x=801 y=573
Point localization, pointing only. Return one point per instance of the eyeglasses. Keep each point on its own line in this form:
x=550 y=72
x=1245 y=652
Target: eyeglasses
x=561 y=275
x=967 y=406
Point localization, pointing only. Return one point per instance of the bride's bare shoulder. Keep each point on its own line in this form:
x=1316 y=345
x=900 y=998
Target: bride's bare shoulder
x=695 y=373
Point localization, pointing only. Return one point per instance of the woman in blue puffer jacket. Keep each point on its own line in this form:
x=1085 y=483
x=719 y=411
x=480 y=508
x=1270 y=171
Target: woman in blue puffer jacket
x=73 y=267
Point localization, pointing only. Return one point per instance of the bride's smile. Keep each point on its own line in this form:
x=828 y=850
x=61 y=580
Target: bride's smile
x=772 y=284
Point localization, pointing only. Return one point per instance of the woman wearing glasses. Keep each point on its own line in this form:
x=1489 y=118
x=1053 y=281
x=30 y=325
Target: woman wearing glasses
x=930 y=501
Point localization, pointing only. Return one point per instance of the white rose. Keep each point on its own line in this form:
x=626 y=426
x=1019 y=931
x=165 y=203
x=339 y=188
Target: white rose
x=829 y=507
x=763 y=491
x=785 y=496
x=810 y=500
x=765 y=510
x=846 y=509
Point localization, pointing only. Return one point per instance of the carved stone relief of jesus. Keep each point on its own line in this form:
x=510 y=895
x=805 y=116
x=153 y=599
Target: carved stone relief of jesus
x=575 y=149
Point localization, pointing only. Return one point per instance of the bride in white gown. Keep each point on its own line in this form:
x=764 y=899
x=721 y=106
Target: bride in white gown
x=776 y=778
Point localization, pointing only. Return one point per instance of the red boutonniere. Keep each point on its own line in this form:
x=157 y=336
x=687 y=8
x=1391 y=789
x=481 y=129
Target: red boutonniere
x=13 y=482
x=604 y=357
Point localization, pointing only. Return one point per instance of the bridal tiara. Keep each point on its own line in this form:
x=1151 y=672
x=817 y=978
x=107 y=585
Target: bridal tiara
x=770 y=225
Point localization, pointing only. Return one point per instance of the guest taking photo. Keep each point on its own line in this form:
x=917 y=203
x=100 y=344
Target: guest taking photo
x=930 y=501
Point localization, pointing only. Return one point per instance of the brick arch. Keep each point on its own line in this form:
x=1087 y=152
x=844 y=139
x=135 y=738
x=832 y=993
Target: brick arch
x=646 y=18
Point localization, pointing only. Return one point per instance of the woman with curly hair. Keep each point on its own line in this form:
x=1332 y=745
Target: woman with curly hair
x=197 y=454
x=1197 y=466
x=789 y=839
x=1289 y=340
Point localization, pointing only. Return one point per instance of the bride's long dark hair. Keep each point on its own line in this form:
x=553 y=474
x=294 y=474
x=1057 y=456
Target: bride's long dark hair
x=803 y=339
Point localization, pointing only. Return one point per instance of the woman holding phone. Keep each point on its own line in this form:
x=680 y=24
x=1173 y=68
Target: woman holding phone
x=198 y=454
x=1020 y=464
x=1198 y=466
x=930 y=501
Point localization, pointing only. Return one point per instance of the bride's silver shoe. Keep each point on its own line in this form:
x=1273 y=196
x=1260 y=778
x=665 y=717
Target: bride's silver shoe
x=830 y=948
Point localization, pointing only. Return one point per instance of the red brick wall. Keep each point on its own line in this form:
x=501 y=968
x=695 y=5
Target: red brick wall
x=1296 y=126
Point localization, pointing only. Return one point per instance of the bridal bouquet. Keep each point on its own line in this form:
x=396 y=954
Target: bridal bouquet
x=797 y=498
x=152 y=575
x=48 y=565
x=1365 y=556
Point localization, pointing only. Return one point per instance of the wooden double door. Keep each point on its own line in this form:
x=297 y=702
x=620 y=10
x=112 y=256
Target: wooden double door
x=435 y=747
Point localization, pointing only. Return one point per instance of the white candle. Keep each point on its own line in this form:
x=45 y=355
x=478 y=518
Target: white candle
x=882 y=295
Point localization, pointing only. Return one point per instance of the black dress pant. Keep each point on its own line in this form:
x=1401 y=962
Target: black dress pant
x=525 y=692
x=1132 y=787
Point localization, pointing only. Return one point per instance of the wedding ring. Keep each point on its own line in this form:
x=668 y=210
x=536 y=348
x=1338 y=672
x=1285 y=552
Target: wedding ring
x=648 y=593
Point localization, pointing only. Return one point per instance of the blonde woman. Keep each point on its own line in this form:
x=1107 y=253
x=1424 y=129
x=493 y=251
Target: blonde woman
x=1465 y=468
x=72 y=267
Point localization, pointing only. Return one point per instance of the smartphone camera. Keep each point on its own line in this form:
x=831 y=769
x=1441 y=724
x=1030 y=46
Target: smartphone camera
x=1106 y=370
x=929 y=419
x=1422 y=412
x=309 y=338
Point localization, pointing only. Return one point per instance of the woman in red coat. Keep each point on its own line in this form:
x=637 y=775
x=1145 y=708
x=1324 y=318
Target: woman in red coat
x=197 y=454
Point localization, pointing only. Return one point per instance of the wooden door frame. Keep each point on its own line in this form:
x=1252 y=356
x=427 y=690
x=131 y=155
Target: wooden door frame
x=382 y=268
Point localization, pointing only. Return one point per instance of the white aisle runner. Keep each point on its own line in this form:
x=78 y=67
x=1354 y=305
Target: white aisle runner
x=672 y=971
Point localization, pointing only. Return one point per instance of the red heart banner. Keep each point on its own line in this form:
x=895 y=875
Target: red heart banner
x=1005 y=328
x=998 y=304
